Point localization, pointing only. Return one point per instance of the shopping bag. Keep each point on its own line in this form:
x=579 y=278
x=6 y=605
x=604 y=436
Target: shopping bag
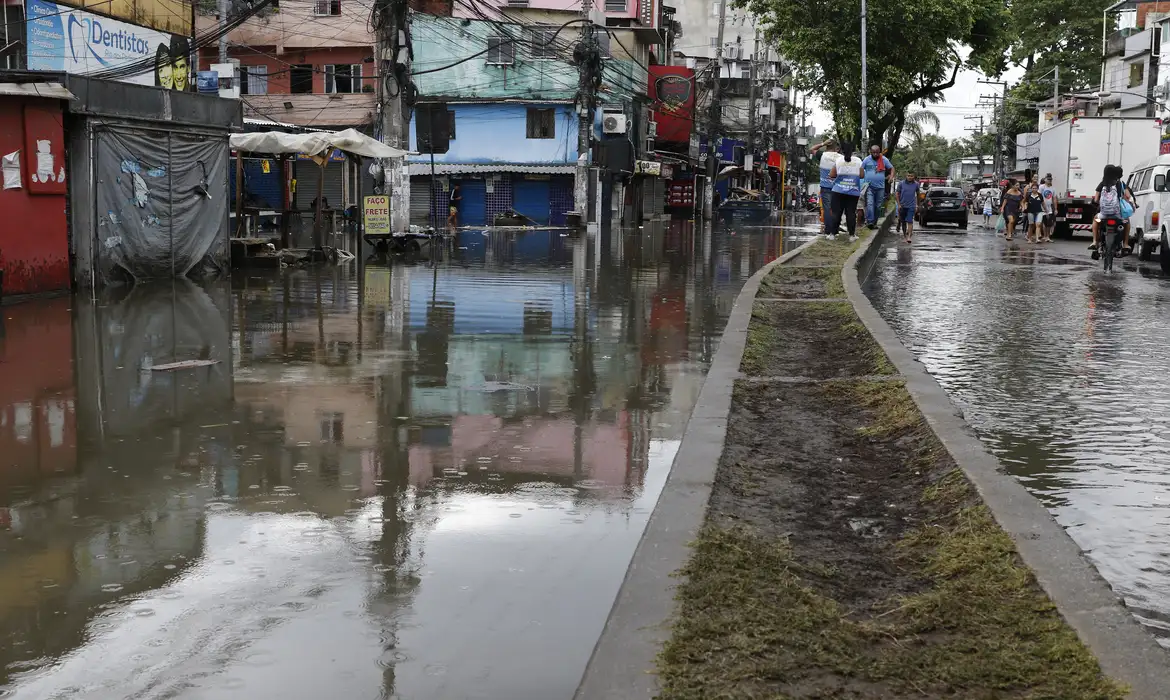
x=1000 y=224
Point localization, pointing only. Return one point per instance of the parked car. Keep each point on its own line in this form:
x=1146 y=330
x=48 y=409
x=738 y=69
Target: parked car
x=943 y=205
x=1151 y=193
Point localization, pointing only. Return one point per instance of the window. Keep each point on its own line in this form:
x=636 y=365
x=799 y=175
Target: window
x=1137 y=74
x=542 y=123
x=714 y=42
x=325 y=8
x=300 y=79
x=253 y=80
x=343 y=78
x=501 y=51
x=745 y=72
x=616 y=5
x=1145 y=183
x=715 y=9
x=542 y=40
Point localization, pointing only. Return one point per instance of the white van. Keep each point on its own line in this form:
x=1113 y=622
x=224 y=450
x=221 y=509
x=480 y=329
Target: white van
x=1151 y=193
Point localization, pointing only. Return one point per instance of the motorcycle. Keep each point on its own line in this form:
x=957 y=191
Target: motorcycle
x=1113 y=234
x=812 y=203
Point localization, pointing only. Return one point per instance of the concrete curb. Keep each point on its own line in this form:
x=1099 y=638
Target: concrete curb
x=623 y=661
x=1126 y=652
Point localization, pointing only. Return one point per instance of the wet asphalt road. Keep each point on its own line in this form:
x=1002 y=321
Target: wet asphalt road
x=423 y=482
x=1060 y=369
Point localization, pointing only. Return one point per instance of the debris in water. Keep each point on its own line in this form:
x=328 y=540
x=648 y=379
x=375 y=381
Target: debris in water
x=185 y=364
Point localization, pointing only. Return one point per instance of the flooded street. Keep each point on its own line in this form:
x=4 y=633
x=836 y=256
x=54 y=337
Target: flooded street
x=418 y=480
x=1059 y=368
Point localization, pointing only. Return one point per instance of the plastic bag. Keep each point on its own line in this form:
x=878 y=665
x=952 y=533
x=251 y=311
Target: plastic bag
x=1000 y=224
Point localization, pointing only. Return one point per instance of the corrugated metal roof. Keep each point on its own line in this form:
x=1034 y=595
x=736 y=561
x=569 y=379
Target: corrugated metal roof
x=55 y=91
x=466 y=168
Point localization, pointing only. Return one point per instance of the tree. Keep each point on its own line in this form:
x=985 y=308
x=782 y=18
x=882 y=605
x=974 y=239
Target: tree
x=926 y=153
x=1064 y=33
x=912 y=52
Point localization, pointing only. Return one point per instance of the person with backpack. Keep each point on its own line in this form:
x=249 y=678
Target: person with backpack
x=1111 y=192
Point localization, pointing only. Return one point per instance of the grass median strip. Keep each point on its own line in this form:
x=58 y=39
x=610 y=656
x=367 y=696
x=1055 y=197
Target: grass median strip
x=845 y=556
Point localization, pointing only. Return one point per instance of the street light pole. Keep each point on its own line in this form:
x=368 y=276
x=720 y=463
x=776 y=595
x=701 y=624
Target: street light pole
x=864 y=78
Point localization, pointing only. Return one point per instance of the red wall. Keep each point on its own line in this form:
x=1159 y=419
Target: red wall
x=34 y=243
x=278 y=66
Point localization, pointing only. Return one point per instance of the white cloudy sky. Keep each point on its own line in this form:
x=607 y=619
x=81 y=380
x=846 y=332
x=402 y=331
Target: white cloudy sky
x=960 y=101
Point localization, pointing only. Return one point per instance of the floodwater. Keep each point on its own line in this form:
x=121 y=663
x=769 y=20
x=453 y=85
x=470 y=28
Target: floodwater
x=1059 y=368
x=422 y=480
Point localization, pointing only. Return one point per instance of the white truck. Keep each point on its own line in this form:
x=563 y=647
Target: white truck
x=1076 y=152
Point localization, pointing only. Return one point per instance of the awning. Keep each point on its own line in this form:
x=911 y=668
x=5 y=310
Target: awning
x=488 y=168
x=55 y=91
x=349 y=140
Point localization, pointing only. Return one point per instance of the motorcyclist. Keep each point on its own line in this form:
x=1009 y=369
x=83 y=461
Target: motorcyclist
x=1107 y=199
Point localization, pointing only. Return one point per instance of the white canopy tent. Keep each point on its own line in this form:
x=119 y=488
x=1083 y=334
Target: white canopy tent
x=316 y=143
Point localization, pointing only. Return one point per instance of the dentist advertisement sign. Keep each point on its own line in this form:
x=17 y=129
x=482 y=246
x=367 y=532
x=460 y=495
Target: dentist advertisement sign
x=64 y=39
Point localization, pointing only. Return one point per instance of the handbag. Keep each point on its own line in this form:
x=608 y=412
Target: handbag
x=1000 y=224
x=1126 y=209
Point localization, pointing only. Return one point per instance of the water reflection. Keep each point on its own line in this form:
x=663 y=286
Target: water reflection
x=1056 y=367
x=415 y=480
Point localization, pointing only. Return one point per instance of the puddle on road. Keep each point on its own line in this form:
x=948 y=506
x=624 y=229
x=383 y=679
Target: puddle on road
x=1058 y=368
x=383 y=477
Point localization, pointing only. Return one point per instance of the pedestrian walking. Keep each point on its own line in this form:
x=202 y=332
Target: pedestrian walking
x=1012 y=199
x=1050 y=203
x=1034 y=202
x=453 y=206
x=988 y=210
x=828 y=159
x=907 y=203
x=846 y=174
x=879 y=175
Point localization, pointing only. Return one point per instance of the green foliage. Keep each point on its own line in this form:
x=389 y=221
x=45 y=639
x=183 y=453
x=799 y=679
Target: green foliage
x=912 y=51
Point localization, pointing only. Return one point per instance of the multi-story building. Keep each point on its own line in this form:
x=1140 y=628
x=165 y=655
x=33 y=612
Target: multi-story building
x=514 y=125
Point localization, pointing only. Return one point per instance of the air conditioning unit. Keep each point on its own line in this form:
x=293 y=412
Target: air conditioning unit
x=613 y=123
x=731 y=52
x=778 y=93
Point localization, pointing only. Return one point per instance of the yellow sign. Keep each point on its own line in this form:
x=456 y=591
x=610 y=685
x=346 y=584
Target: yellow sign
x=265 y=167
x=376 y=213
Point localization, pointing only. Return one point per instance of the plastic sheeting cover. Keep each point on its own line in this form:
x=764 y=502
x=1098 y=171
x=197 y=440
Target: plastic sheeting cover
x=161 y=203
x=349 y=140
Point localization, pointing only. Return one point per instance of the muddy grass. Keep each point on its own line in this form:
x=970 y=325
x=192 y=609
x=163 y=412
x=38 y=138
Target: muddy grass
x=845 y=556
x=817 y=340
x=802 y=283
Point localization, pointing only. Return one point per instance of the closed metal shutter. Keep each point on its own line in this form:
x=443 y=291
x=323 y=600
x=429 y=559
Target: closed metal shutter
x=531 y=198
x=420 y=200
x=653 y=196
x=473 y=210
x=261 y=189
x=307 y=174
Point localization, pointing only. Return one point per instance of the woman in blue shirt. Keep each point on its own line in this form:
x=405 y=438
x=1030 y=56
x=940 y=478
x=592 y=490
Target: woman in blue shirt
x=846 y=175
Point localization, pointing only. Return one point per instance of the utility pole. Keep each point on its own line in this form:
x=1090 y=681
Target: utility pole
x=1056 y=97
x=586 y=103
x=392 y=30
x=222 y=9
x=864 y=76
x=978 y=131
x=713 y=123
x=1000 y=102
x=752 y=107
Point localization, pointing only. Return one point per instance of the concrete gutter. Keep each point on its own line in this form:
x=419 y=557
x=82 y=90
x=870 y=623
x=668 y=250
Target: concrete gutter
x=623 y=661
x=1126 y=652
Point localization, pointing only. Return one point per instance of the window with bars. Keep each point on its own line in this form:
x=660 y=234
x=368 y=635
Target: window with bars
x=542 y=124
x=603 y=43
x=616 y=5
x=326 y=8
x=501 y=51
x=253 y=80
x=343 y=78
x=543 y=42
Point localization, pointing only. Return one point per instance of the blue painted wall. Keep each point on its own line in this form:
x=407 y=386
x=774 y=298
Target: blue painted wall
x=497 y=133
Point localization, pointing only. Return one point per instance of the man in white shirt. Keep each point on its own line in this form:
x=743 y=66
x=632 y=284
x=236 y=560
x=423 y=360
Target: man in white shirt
x=828 y=159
